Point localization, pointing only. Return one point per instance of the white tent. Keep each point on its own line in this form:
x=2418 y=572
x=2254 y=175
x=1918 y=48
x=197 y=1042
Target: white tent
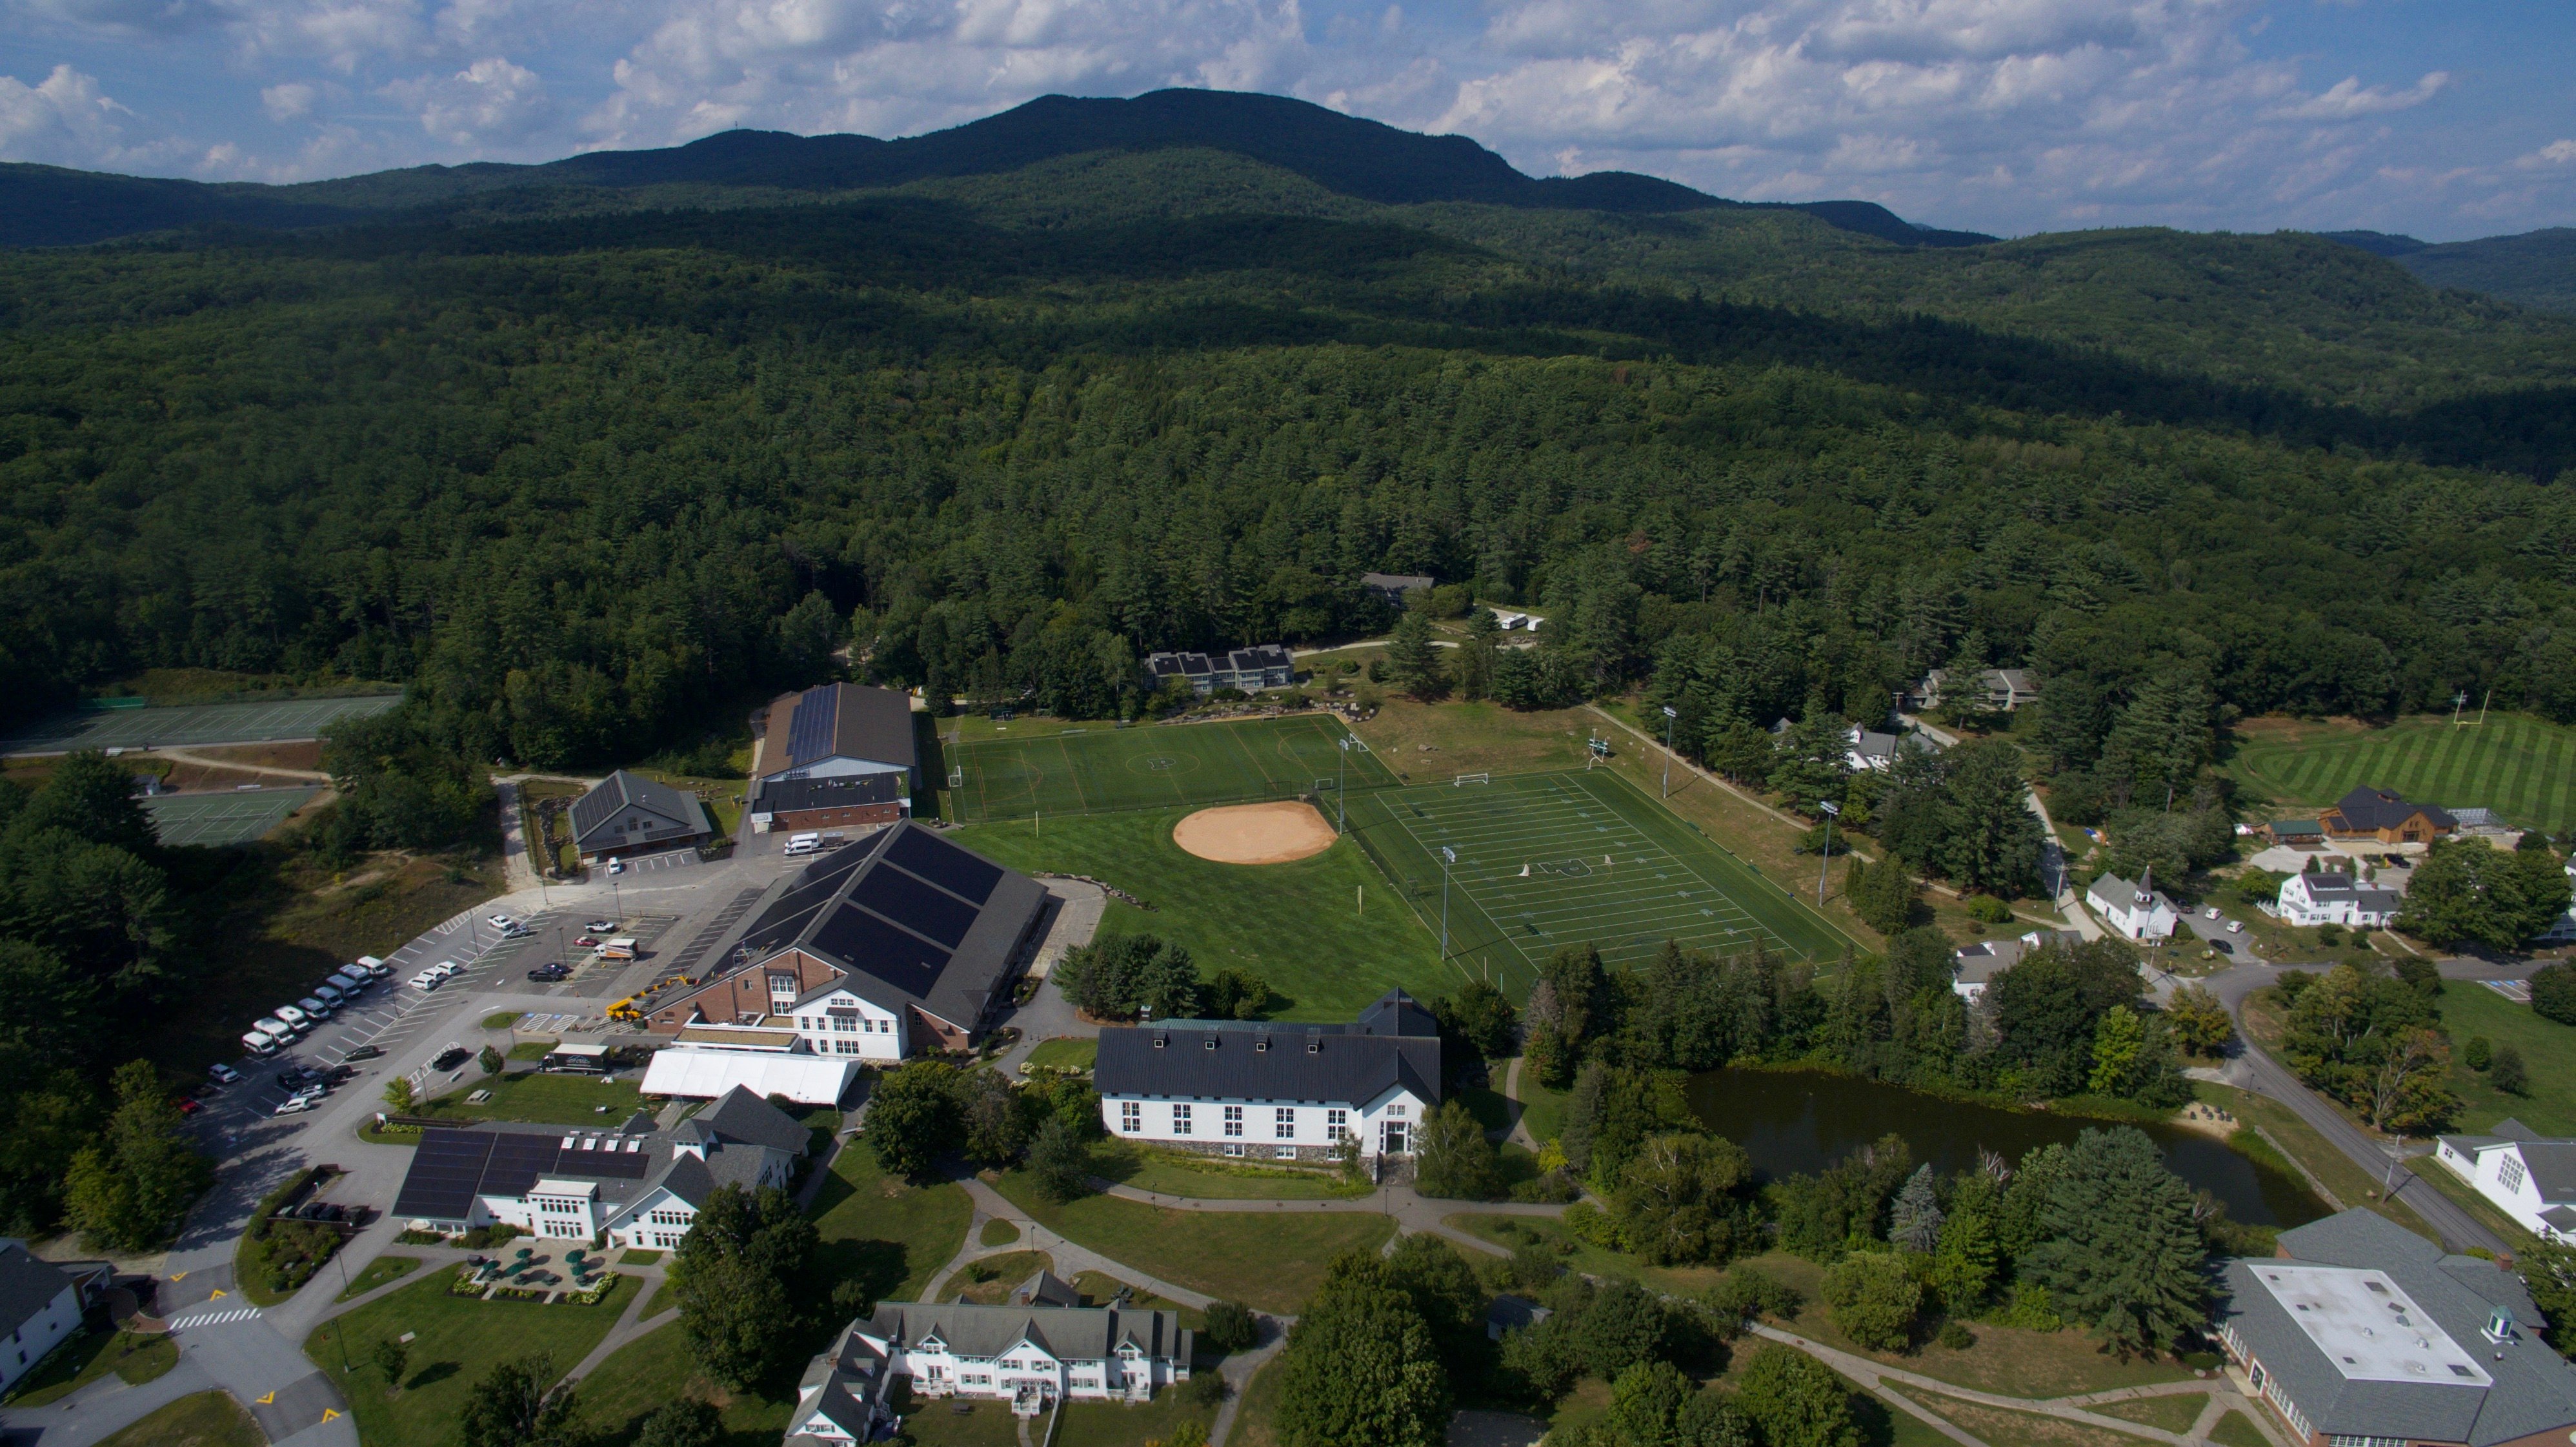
x=706 y=1074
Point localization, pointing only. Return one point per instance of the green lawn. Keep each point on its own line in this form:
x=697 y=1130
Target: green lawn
x=2518 y=766
x=1066 y=1052
x=1542 y=1109
x=1268 y=1260
x=997 y=1233
x=988 y=1282
x=1304 y=927
x=458 y=1339
x=204 y=1419
x=656 y=1368
x=980 y=1424
x=889 y=1235
x=1018 y=772
x=89 y=1356
x=1512 y=1232
x=378 y=1272
x=1172 y=1173
x=1114 y=1424
x=550 y=1099
x=2237 y=1430
x=2174 y=1414
x=2548 y=1054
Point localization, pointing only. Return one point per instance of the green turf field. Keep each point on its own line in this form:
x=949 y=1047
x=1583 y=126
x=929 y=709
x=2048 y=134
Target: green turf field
x=229 y=818
x=1102 y=768
x=2520 y=767
x=1555 y=859
x=183 y=725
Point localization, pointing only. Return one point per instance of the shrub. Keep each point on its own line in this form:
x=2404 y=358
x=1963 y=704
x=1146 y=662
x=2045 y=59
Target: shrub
x=1230 y=1326
x=1203 y=1389
x=1956 y=1337
x=2474 y=1054
x=1874 y=1298
x=1987 y=909
x=2505 y=1071
x=1588 y=1222
x=1748 y=1292
x=2553 y=992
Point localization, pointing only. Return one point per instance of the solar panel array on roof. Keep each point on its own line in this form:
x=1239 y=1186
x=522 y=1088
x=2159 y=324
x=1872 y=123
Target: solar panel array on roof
x=809 y=729
x=517 y=1162
x=445 y=1170
x=884 y=951
x=914 y=905
x=946 y=865
x=596 y=807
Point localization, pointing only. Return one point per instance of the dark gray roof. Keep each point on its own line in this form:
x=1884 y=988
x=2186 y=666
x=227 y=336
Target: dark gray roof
x=2369 y=808
x=27 y=1286
x=908 y=918
x=2553 y=1169
x=739 y=1115
x=2532 y=1390
x=504 y=1158
x=838 y=721
x=1394 y=1042
x=696 y=1180
x=1395 y=582
x=830 y=791
x=625 y=809
x=1069 y=1333
x=1045 y=1288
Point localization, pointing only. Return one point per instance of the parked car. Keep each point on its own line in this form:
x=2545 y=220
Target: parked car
x=187 y=1106
x=2236 y=926
x=451 y=1057
x=375 y=967
x=351 y=981
x=2213 y=911
x=295 y=1018
x=587 y=942
x=224 y=1074
x=277 y=1031
x=365 y=1052
x=617 y=866
x=316 y=1006
x=259 y=1044
x=545 y=974
x=330 y=995
x=426 y=980
x=448 y=969
x=292 y=1105
x=600 y=926
x=502 y=922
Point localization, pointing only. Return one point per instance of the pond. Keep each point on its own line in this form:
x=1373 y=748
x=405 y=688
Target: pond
x=1800 y=1122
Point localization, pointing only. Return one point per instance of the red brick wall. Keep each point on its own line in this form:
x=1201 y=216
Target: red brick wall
x=740 y=996
x=795 y=821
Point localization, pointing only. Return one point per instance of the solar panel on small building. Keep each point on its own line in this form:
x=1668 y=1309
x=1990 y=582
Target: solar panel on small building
x=810 y=729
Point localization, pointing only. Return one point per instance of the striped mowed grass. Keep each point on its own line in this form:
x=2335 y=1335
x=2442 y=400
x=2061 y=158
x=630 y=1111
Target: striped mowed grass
x=2521 y=767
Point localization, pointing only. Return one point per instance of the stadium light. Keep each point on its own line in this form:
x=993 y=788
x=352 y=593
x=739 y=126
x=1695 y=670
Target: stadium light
x=1831 y=811
x=1448 y=857
x=1670 y=713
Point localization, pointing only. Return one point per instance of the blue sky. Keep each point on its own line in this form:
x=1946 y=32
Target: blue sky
x=2446 y=120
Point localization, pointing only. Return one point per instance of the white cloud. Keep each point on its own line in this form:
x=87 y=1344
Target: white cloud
x=286 y=102
x=2556 y=153
x=491 y=103
x=2350 y=98
x=64 y=120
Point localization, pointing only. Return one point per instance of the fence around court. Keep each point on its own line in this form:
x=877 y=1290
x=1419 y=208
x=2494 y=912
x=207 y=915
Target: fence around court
x=1108 y=769
x=229 y=818
x=194 y=725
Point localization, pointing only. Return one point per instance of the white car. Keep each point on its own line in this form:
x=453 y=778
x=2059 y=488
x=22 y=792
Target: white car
x=224 y=1074
x=272 y=1027
x=2213 y=911
x=374 y=966
x=258 y=1043
x=617 y=866
x=293 y=1105
x=2236 y=926
x=502 y=922
x=428 y=980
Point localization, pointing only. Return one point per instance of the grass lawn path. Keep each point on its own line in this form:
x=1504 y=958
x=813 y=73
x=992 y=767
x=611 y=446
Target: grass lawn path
x=1270 y=1262
x=458 y=1339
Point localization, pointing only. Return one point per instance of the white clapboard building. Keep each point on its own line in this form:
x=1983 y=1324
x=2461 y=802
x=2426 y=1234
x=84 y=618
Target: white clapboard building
x=1274 y=1091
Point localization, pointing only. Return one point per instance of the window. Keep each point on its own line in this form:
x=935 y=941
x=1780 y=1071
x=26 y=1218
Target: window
x=1337 y=1125
x=1131 y=1117
x=2510 y=1173
x=1180 y=1120
x=1287 y=1127
x=845 y=1023
x=1234 y=1120
x=1234 y=1148
x=1283 y=1153
x=1396 y=1109
x=848 y=1047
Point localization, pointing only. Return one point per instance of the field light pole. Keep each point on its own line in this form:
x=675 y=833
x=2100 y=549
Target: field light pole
x=1341 y=783
x=1670 y=713
x=1448 y=857
x=1831 y=811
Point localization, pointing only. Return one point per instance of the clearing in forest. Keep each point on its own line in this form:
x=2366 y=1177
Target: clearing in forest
x=183 y=725
x=1105 y=768
x=1577 y=857
x=2519 y=766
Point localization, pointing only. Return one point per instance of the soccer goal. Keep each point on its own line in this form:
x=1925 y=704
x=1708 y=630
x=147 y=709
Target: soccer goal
x=1463 y=780
x=1323 y=786
x=957 y=777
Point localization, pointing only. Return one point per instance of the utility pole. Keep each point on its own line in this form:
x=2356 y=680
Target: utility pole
x=1669 y=715
x=1448 y=857
x=1831 y=810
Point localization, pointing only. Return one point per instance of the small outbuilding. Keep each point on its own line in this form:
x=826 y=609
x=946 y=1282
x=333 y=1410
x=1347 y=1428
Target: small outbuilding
x=627 y=814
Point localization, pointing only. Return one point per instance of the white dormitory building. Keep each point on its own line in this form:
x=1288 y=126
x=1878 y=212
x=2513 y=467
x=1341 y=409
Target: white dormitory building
x=1276 y=1091
x=2324 y=898
x=41 y=1304
x=2529 y=1176
x=1041 y=1347
x=634 y=1186
x=2135 y=912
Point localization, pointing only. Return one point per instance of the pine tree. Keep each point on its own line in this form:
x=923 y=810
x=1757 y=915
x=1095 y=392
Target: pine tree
x=1413 y=659
x=1914 y=1220
x=2123 y=1247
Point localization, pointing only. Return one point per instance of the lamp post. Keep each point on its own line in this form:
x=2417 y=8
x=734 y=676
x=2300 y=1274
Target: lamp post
x=1831 y=811
x=1341 y=784
x=1670 y=714
x=1448 y=857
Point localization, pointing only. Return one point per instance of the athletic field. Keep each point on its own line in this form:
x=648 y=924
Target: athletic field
x=191 y=724
x=1104 y=769
x=1556 y=859
x=233 y=818
x=2518 y=766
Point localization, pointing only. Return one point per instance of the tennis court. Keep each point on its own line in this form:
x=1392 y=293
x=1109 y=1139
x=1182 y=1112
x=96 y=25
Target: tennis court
x=1108 y=769
x=1556 y=859
x=184 y=725
x=215 y=819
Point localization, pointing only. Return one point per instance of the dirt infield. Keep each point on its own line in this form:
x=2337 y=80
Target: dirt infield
x=1254 y=833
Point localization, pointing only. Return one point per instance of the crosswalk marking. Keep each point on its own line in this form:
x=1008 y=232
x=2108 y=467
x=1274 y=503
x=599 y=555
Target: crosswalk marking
x=215 y=1318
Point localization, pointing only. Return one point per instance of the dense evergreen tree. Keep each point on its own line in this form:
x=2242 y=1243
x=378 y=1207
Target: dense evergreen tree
x=2124 y=1250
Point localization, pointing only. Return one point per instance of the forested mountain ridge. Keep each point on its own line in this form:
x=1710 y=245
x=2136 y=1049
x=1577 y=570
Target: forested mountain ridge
x=2536 y=268
x=1346 y=155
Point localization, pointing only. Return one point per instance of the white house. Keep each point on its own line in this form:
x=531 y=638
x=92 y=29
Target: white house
x=634 y=1185
x=1975 y=967
x=1037 y=1349
x=2563 y=929
x=2322 y=898
x=2529 y=1176
x=2133 y=911
x=1274 y=1091
x=40 y=1304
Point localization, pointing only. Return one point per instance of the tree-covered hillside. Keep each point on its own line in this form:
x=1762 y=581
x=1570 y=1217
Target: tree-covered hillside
x=589 y=482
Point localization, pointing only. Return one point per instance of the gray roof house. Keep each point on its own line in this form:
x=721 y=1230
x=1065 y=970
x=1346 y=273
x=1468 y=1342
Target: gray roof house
x=1029 y=1355
x=1391 y=587
x=628 y=813
x=1975 y=967
x=2362 y=1331
x=837 y=728
x=2529 y=1176
x=1280 y=1089
x=41 y=1303
x=1250 y=670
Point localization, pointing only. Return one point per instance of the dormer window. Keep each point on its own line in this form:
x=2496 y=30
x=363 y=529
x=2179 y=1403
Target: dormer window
x=1208 y=1044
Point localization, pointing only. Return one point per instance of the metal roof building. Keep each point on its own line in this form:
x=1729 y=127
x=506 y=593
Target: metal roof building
x=626 y=813
x=837 y=728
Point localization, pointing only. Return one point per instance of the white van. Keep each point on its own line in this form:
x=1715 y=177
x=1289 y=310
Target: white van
x=374 y=966
x=276 y=1030
x=259 y=1044
x=295 y=1019
x=802 y=844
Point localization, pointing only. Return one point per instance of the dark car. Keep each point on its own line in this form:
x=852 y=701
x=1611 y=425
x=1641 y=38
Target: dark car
x=366 y=1052
x=451 y=1057
x=548 y=972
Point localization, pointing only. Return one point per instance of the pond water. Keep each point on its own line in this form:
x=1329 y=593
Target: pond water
x=1800 y=1122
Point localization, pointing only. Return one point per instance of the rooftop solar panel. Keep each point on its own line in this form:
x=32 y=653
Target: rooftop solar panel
x=607 y=1164
x=914 y=905
x=869 y=943
x=809 y=730
x=945 y=865
x=517 y=1161
x=445 y=1170
x=596 y=807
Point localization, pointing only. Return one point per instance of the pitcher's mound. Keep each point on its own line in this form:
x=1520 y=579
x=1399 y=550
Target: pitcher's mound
x=1254 y=833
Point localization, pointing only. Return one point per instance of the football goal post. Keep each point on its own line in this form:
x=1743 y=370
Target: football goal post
x=1465 y=779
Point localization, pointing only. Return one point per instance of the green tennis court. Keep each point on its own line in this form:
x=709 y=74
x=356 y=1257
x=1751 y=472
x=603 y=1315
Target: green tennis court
x=1556 y=859
x=184 y=725
x=1107 y=769
x=217 y=819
